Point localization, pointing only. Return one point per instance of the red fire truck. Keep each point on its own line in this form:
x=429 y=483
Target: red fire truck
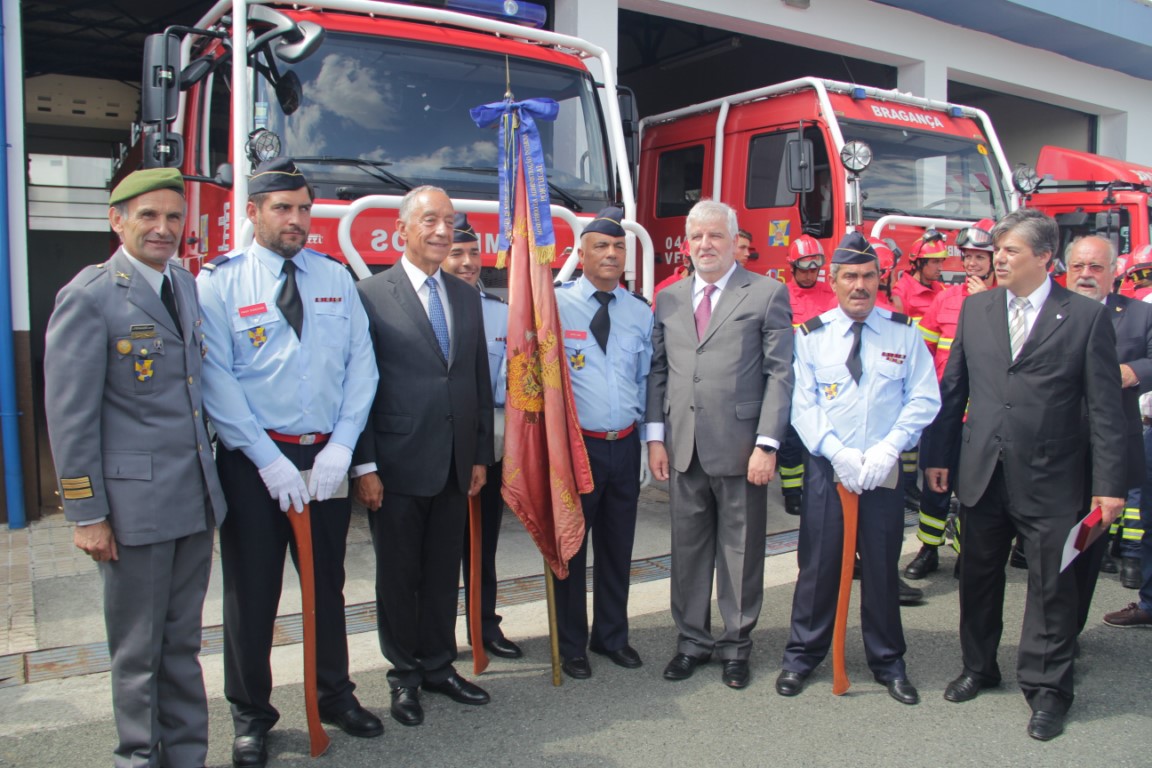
x=823 y=158
x=1091 y=195
x=372 y=99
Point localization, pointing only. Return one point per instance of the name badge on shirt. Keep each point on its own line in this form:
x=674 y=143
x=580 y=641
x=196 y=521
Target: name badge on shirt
x=577 y=335
x=253 y=309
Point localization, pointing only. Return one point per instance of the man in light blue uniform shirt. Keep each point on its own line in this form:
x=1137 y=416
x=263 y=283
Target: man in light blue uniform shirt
x=464 y=262
x=288 y=380
x=608 y=348
x=865 y=389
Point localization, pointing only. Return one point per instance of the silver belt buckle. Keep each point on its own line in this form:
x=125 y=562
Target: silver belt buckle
x=613 y=435
x=309 y=439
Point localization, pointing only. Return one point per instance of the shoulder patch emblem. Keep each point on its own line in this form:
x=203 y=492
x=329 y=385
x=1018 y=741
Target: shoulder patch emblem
x=810 y=325
x=901 y=318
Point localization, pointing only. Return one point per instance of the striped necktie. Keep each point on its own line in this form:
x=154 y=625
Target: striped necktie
x=1017 y=327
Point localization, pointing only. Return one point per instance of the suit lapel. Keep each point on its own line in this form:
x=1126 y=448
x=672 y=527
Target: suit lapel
x=406 y=297
x=1051 y=317
x=730 y=298
x=186 y=306
x=997 y=311
x=683 y=293
x=139 y=292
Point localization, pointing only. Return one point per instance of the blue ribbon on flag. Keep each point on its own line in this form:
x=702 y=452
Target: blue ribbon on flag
x=520 y=138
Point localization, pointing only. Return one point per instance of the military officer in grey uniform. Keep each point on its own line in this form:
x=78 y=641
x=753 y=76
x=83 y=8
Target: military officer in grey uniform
x=122 y=395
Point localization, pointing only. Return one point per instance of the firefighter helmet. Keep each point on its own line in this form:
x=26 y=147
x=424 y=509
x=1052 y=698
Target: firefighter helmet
x=977 y=237
x=930 y=246
x=806 y=253
x=1141 y=268
x=886 y=255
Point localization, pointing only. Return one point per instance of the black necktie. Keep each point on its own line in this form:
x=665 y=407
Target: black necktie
x=855 y=367
x=288 y=302
x=169 y=300
x=601 y=324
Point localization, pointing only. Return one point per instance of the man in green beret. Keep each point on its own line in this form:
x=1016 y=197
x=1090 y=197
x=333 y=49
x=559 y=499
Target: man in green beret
x=123 y=400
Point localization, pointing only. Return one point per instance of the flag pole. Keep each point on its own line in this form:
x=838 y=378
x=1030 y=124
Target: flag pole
x=553 y=634
x=475 y=555
x=849 y=503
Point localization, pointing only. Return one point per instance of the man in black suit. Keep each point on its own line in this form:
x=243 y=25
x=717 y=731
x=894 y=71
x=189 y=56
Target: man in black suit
x=425 y=450
x=1041 y=387
x=1091 y=269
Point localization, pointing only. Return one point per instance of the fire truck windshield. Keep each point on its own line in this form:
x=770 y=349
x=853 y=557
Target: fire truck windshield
x=916 y=173
x=381 y=115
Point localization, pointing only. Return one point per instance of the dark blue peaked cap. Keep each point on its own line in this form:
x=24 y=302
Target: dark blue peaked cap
x=854 y=249
x=607 y=222
x=279 y=174
x=462 y=231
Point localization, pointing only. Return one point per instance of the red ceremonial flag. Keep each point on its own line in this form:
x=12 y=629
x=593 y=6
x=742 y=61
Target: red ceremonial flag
x=545 y=461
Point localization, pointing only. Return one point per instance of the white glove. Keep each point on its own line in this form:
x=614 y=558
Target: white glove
x=848 y=462
x=329 y=470
x=285 y=484
x=878 y=462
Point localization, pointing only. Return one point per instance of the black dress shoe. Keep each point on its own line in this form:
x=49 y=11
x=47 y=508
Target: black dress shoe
x=1108 y=564
x=682 y=666
x=792 y=504
x=459 y=690
x=250 y=751
x=926 y=561
x=736 y=673
x=790 y=683
x=1130 y=575
x=356 y=721
x=909 y=595
x=625 y=657
x=577 y=668
x=903 y=691
x=1045 y=725
x=406 y=708
x=965 y=688
x=503 y=647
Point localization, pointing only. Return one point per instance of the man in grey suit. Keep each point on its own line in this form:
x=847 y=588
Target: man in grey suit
x=122 y=395
x=426 y=448
x=719 y=395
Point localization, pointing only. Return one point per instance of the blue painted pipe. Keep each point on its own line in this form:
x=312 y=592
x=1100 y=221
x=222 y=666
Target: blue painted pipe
x=9 y=416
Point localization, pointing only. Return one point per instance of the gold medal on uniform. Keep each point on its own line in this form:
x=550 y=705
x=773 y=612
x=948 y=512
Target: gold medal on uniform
x=257 y=336
x=831 y=390
x=577 y=360
x=123 y=346
x=143 y=369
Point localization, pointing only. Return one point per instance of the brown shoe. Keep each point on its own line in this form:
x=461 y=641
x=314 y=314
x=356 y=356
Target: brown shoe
x=1132 y=616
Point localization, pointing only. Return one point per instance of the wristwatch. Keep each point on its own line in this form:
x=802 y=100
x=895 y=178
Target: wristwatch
x=766 y=448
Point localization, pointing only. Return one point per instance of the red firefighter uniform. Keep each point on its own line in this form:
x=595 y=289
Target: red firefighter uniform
x=916 y=296
x=938 y=325
x=809 y=302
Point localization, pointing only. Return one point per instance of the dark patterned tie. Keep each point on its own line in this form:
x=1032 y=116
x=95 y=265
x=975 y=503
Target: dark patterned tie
x=436 y=315
x=169 y=300
x=601 y=323
x=855 y=367
x=288 y=302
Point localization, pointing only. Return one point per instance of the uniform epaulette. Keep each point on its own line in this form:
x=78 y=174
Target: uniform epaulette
x=212 y=264
x=641 y=297
x=492 y=297
x=900 y=317
x=91 y=272
x=811 y=324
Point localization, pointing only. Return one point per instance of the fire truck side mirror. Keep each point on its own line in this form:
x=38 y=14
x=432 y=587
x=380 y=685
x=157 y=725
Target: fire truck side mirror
x=158 y=92
x=292 y=50
x=801 y=175
x=626 y=98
